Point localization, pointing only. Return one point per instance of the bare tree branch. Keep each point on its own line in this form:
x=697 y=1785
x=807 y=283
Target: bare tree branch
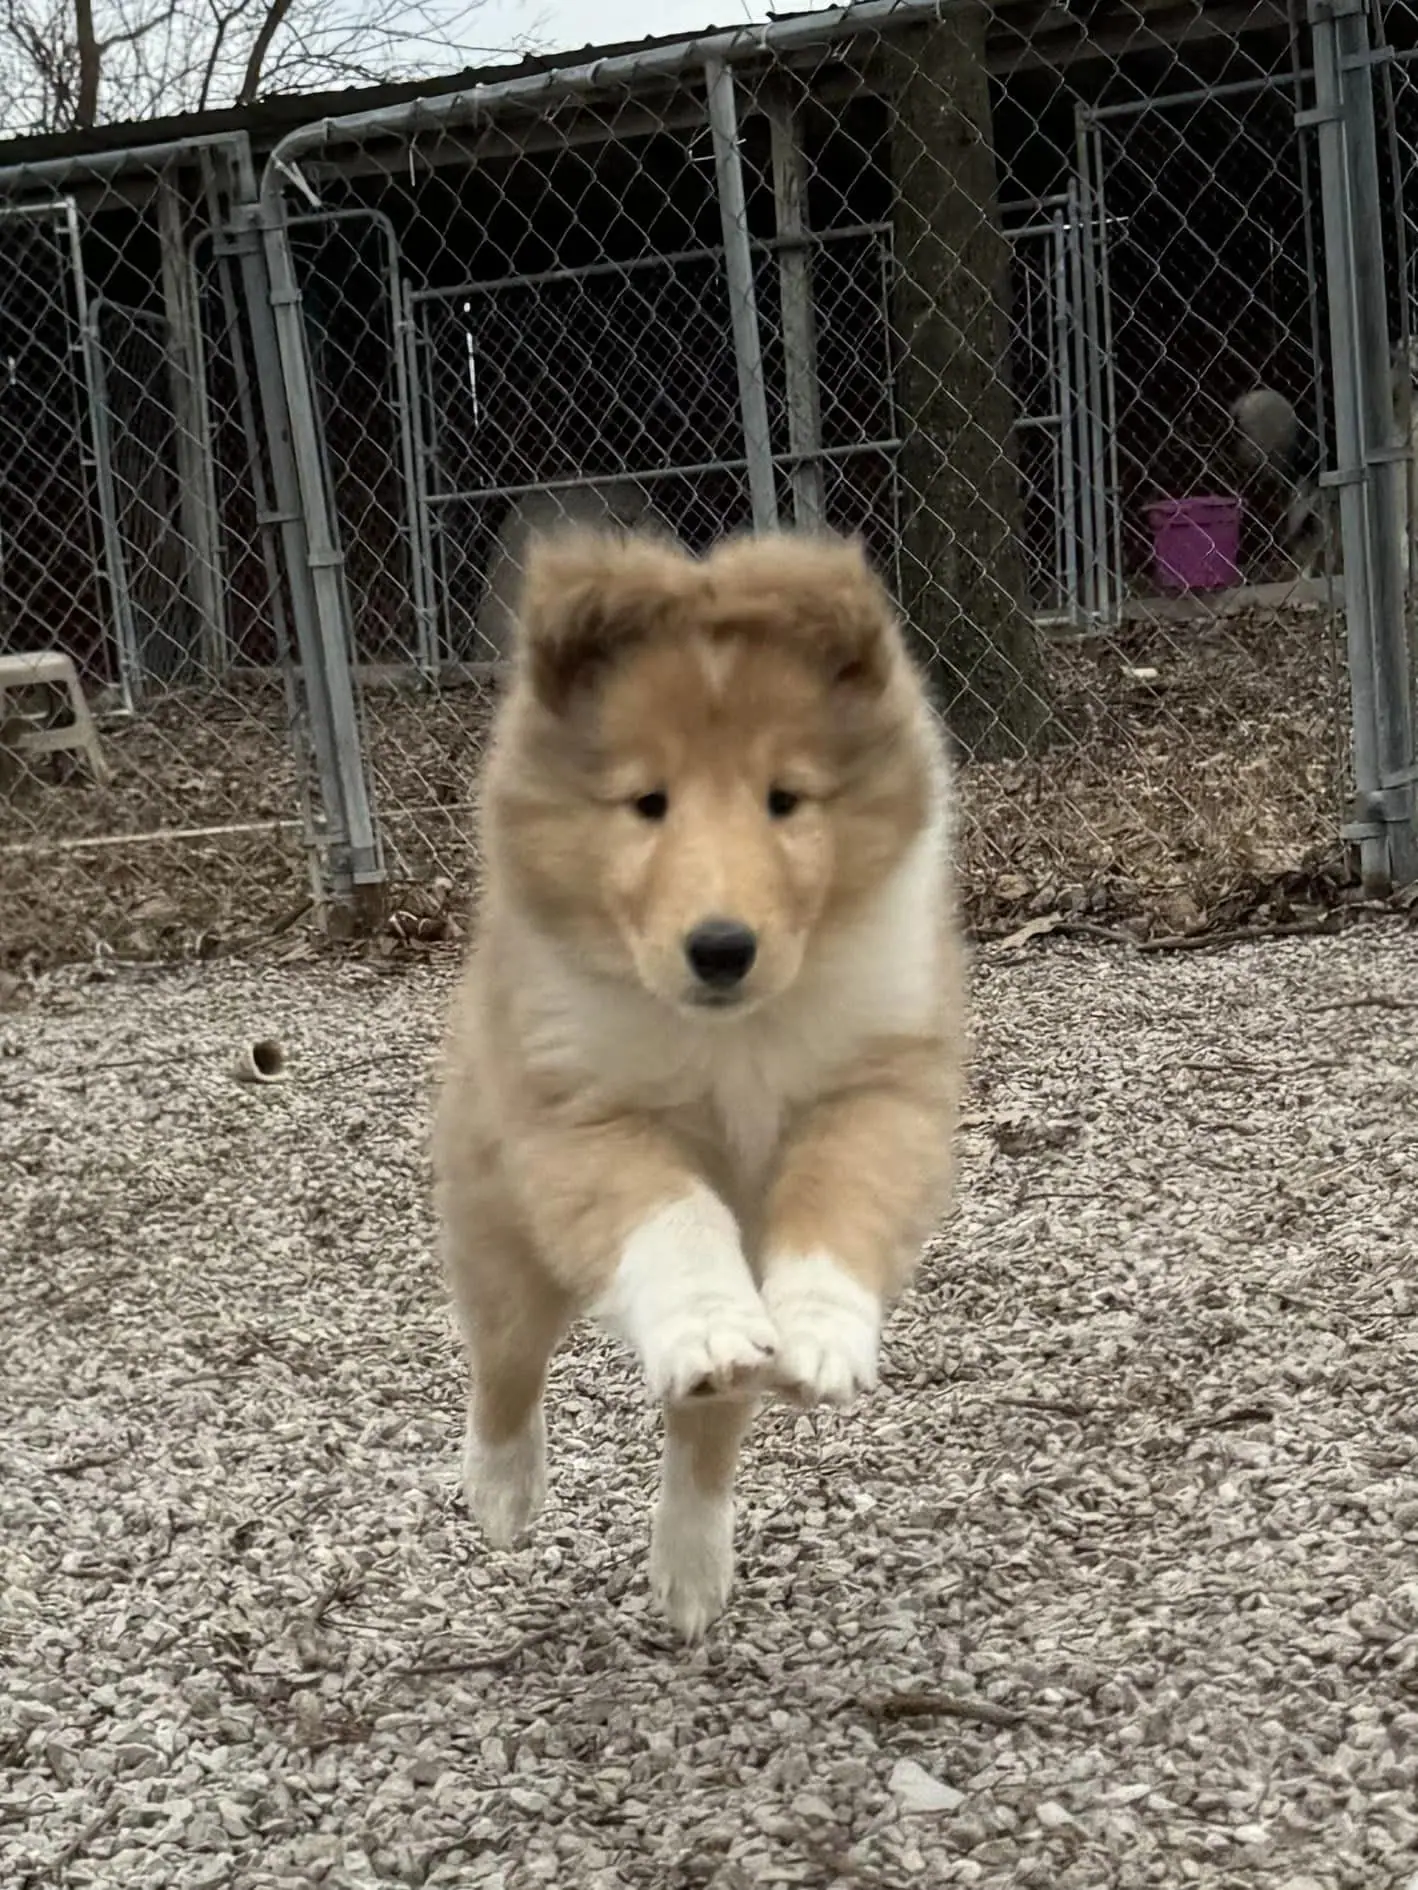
x=68 y=65
x=222 y=23
x=251 y=80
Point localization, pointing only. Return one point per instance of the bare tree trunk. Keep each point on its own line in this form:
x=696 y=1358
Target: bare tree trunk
x=89 y=60
x=255 y=65
x=962 y=564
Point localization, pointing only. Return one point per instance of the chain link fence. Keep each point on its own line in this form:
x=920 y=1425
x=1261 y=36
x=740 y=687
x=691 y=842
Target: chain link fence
x=131 y=503
x=1073 y=324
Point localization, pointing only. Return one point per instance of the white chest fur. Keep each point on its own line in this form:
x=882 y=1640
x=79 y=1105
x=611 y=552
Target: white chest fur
x=749 y=1102
x=876 y=978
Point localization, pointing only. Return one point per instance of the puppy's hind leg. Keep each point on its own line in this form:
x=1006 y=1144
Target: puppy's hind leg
x=513 y=1318
x=692 y=1537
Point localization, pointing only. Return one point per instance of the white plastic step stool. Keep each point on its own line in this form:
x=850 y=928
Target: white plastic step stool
x=79 y=734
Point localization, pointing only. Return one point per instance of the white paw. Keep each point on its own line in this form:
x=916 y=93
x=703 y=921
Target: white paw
x=505 y=1485
x=829 y=1329
x=692 y=1561
x=684 y=1298
x=710 y=1344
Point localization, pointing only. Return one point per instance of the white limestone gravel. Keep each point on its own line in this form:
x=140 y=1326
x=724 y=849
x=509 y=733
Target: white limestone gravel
x=1114 y=1582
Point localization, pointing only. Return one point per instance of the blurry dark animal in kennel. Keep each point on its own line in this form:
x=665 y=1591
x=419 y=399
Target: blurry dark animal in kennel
x=1281 y=462
x=1279 y=459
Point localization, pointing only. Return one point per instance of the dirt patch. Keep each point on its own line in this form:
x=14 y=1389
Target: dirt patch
x=195 y=842
x=1201 y=765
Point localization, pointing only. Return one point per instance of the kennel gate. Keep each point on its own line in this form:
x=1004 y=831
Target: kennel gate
x=50 y=586
x=1202 y=240
x=1063 y=399
x=623 y=373
x=506 y=376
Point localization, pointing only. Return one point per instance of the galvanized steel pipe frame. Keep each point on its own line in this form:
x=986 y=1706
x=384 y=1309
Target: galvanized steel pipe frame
x=333 y=724
x=711 y=55
x=1370 y=462
x=448 y=110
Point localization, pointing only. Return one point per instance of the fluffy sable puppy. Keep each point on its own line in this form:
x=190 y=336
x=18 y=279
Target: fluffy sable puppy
x=705 y=1062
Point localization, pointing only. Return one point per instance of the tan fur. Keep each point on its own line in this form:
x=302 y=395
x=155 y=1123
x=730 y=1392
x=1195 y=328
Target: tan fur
x=588 y=1084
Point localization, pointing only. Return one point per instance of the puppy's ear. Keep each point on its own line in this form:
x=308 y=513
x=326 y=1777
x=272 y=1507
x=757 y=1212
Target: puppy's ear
x=588 y=598
x=817 y=593
x=862 y=635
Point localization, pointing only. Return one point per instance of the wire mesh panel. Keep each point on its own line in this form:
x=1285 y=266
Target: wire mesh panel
x=1204 y=240
x=1038 y=305
x=903 y=285
x=1209 y=245
x=609 y=391
x=185 y=826
x=140 y=493
x=609 y=385
x=49 y=584
x=347 y=266
x=1399 y=161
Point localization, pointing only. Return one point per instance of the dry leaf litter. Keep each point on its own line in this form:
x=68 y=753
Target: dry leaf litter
x=1189 y=767
x=1115 y=1582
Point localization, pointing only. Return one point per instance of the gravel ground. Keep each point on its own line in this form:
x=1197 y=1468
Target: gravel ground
x=1115 y=1582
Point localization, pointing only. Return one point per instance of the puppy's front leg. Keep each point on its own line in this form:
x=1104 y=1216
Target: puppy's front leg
x=682 y=1295
x=651 y=1252
x=859 y=1186
x=692 y=1537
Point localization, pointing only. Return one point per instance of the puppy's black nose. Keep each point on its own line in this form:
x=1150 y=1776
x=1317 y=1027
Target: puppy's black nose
x=721 y=952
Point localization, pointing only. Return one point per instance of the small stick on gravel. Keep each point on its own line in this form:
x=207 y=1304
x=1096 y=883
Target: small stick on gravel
x=1201 y=941
x=493 y=1661
x=1243 y=935
x=96 y=1460
x=81 y=1840
x=344 y=1588
x=388 y=1053
x=1371 y=1001
x=946 y=1706
x=1230 y=1419
x=277 y=928
x=1055 y=1407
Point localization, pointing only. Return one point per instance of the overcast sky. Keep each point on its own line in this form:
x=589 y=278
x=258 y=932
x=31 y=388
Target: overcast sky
x=563 y=25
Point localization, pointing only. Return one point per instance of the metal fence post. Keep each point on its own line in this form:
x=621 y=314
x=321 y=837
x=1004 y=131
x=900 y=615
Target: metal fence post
x=431 y=646
x=1370 y=464
x=323 y=560
x=128 y=658
x=1385 y=454
x=287 y=516
x=329 y=737
x=743 y=303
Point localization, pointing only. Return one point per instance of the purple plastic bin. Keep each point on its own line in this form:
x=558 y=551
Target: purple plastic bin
x=1196 y=543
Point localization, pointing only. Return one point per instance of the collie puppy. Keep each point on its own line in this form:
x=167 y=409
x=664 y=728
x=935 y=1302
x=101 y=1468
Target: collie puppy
x=705 y=1062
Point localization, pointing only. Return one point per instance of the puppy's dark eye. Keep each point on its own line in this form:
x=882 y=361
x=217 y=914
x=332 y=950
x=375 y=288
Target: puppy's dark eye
x=652 y=806
x=781 y=802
